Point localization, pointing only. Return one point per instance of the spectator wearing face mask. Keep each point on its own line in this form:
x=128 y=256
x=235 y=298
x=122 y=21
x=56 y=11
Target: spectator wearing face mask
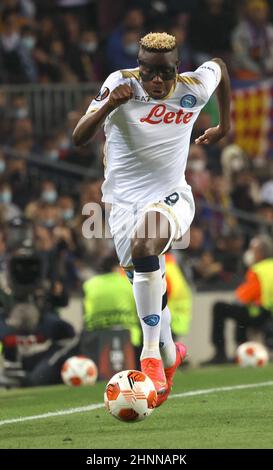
x=49 y=215
x=197 y=173
x=122 y=46
x=48 y=196
x=19 y=107
x=126 y=56
x=17 y=60
x=8 y=210
x=28 y=38
x=50 y=148
x=88 y=62
x=67 y=206
x=233 y=160
x=49 y=192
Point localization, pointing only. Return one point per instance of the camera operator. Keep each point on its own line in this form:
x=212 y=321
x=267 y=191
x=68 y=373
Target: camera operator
x=21 y=232
x=33 y=336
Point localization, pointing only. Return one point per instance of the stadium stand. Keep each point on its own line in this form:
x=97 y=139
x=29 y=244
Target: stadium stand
x=54 y=56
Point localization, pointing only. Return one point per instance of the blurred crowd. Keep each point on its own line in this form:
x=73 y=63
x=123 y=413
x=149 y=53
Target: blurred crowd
x=78 y=41
x=72 y=41
x=55 y=221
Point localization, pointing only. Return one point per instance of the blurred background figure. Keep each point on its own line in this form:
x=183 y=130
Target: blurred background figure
x=179 y=298
x=122 y=47
x=16 y=56
x=252 y=42
x=89 y=67
x=254 y=306
x=8 y=210
x=216 y=17
x=35 y=340
x=126 y=56
x=109 y=306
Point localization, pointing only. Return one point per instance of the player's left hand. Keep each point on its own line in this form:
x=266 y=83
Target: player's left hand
x=211 y=136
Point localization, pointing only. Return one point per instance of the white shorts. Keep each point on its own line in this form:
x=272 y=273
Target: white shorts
x=178 y=206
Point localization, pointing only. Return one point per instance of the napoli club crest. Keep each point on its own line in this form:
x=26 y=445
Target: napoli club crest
x=188 y=101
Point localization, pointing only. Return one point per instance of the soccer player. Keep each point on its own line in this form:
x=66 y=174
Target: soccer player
x=148 y=115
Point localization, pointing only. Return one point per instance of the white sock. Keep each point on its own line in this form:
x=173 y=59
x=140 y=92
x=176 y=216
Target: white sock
x=167 y=346
x=148 y=296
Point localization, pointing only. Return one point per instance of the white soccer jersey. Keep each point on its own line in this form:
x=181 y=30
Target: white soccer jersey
x=147 y=140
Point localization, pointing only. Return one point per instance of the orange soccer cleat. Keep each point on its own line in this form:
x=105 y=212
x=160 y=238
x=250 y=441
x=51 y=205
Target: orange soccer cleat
x=154 y=369
x=181 y=352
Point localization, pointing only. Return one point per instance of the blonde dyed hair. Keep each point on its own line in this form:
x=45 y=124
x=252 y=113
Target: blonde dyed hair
x=158 y=42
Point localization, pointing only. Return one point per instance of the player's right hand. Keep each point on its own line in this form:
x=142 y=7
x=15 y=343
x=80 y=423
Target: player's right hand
x=120 y=95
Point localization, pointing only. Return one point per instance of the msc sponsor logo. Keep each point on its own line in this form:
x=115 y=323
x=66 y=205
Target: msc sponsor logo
x=151 y=320
x=188 y=101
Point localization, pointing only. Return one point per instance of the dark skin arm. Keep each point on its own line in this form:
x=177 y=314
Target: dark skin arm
x=213 y=134
x=89 y=124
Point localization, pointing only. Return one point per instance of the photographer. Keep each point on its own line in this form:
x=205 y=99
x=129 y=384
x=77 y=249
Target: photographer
x=33 y=337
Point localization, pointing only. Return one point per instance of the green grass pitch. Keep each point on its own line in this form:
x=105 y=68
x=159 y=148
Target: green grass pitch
x=234 y=419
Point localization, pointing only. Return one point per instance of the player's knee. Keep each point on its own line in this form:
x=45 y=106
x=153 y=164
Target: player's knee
x=146 y=264
x=141 y=248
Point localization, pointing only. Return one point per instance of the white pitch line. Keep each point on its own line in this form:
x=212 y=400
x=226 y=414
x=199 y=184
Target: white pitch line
x=219 y=389
x=70 y=411
x=83 y=409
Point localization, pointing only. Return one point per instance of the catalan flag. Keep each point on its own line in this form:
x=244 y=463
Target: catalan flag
x=252 y=118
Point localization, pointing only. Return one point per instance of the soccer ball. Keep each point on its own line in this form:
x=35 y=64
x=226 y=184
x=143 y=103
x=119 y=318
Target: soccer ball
x=252 y=354
x=130 y=396
x=79 y=370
